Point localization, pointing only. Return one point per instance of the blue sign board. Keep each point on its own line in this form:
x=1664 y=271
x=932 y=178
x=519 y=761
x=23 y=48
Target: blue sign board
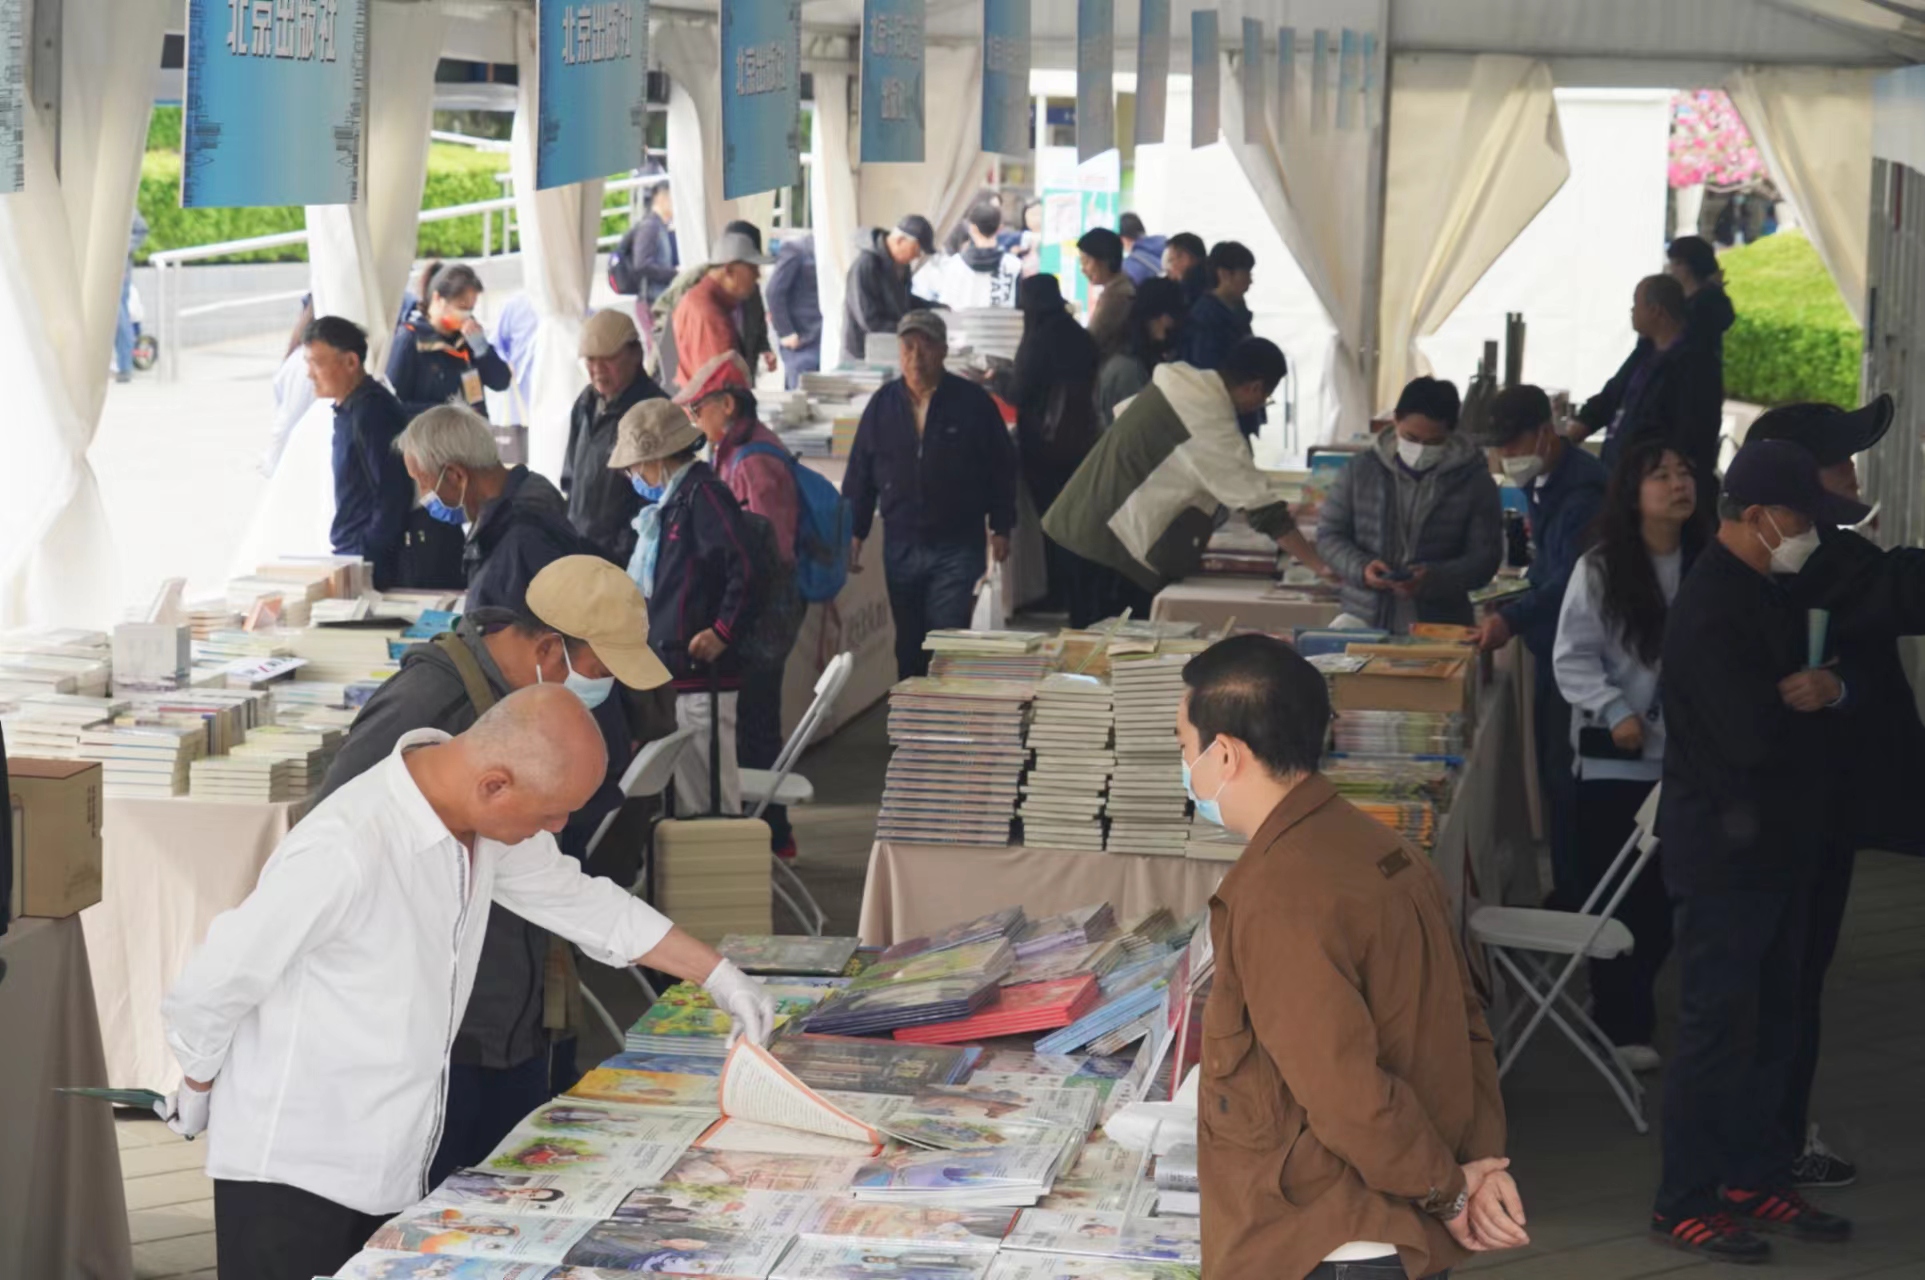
x=1206 y=79
x=1152 y=72
x=593 y=94
x=1007 y=107
x=761 y=96
x=276 y=93
x=1095 y=78
x=892 y=106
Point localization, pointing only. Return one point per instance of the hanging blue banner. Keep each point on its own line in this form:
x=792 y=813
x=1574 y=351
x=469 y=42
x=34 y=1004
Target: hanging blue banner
x=1095 y=78
x=1255 y=99
x=761 y=96
x=1206 y=79
x=892 y=106
x=276 y=94
x=1152 y=72
x=1350 y=80
x=1006 y=100
x=593 y=94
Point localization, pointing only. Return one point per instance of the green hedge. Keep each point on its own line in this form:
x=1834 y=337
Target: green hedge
x=1793 y=340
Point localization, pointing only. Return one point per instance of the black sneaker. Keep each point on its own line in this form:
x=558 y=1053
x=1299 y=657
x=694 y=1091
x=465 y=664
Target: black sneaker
x=1717 y=1236
x=1786 y=1212
x=1820 y=1166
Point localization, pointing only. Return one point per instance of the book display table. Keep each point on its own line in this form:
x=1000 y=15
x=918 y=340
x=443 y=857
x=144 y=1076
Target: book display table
x=63 y=1211
x=1211 y=601
x=168 y=867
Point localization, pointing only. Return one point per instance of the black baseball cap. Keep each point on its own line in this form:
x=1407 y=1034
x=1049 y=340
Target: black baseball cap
x=1830 y=434
x=917 y=228
x=1781 y=473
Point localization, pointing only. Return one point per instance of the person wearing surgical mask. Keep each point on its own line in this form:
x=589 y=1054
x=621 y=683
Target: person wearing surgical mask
x=581 y=625
x=441 y=354
x=1340 y=984
x=1755 y=703
x=1413 y=524
x=1564 y=487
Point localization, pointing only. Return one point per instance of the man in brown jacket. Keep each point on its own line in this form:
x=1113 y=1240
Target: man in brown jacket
x=1349 y=1123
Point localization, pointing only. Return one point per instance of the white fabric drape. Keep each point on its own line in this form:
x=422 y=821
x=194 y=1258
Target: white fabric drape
x=558 y=229
x=1475 y=153
x=832 y=196
x=1813 y=125
x=943 y=186
x=359 y=254
x=691 y=55
x=63 y=252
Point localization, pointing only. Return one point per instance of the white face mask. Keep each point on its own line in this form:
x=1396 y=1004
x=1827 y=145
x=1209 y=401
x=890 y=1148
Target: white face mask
x=1418 y=456
x=1790 y=554
x=1521 y=471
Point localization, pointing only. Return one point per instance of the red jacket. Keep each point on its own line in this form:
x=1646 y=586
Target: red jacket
x=761 y=482
x=704 y=328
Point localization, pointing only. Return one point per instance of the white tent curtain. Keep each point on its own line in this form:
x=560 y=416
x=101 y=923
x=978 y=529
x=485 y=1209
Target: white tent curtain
x=360 y=254
x=1813 y=125
x=1475 y=154
x=832 y=197
x=944 y=185
x=558 y=229
x=63 y=252
x=690 y=54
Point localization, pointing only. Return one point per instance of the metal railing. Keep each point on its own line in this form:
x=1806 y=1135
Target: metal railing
x=169 y=313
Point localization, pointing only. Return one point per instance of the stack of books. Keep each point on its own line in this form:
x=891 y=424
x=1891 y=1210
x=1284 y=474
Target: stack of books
x=303 y=755
x=57 y=660
x=1177 y=1189
x=1130 y=997
x=205 y=617
x=1213 y=843
x=915 y=990
x=1016 y=656
x=1398 y=733
x=247 y=778
x=1148 y=808
x=872 y=1066
x=320 y=704
x=1070 y=737
x=1407 y=795
x=48 y=725
x=763 y=953
x=348 y=653
x=1237 y=550
x=686 y=1021
x=1015 y=1010
x=989 y=331
x=957 y=761
x=1077 y=928
x=143 y=761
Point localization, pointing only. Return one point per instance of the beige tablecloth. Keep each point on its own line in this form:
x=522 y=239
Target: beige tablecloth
x=1211 y=602
x=914 y=889
x=168 y=868
x=62 y=1208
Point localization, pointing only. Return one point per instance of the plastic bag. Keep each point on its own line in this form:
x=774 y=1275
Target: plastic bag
x=990 y=614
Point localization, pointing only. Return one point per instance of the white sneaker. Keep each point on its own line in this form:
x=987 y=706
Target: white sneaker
x=1639 y=1059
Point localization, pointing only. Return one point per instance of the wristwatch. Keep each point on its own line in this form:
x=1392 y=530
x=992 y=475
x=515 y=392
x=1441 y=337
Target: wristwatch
x=1437 y=1207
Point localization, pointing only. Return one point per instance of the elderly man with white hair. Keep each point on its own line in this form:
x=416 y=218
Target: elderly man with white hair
x=517 y=522
x=313 y=1024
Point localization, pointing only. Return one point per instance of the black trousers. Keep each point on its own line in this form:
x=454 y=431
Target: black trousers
x=1623 y=1006
x=1741 y=953
x=932 y=587
x=758 y=739
x=270 y=1231
x=1094 y=592
x=1827 y=902
x=1551 y=723
x=484 y=1103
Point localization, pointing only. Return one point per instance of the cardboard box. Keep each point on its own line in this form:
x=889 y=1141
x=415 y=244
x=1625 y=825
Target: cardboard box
x=56 y=809
x=1403 y=684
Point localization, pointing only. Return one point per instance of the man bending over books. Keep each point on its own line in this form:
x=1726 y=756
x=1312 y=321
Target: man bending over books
x=1349 y=1122
x=314 y=1022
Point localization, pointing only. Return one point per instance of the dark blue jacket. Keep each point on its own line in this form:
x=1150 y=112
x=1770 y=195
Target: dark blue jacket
x=425 y=366
x=1145 y=259
x=794 y=306
x=1562 y=509
x=704 y=578
x=517 y=536
x=941 y=485
x=372 y=491
x=1212 y=329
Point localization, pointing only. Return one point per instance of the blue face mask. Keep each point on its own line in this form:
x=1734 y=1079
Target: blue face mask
x=442 y=511
x=1208 y=810
x=649 y=492
x=592 y=692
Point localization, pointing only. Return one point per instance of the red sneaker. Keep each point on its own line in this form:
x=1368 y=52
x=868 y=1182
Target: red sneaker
x=786 y=850
x=1787 y=1212
x=1715 y=1235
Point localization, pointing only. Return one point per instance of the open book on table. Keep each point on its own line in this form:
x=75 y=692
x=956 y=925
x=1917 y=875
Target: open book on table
x=766 y=1108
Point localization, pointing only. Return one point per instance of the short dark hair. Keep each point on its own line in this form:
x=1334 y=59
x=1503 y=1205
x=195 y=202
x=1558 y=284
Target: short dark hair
x=1696 y=254
x=986 y=216
x=1666 y=294
x=1230 y=255
x=1255 y=360
x=1432 y=397
x=1515 y=411
x=658 y=190
x=742 y=404
x=1103 y=245
x=338 y=332
x=1259 y=690
x=452 y=279
x=1130 y=227
x=749 y=229
x=1187 y=242
x=1730 y=508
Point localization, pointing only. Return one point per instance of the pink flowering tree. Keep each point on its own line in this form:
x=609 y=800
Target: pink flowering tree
x=1710 y=144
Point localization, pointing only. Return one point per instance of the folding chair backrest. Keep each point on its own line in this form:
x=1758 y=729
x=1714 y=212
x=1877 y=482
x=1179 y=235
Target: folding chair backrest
x=1647 y=819
x=653 y=768
x=828 y=687
x=1642 y=841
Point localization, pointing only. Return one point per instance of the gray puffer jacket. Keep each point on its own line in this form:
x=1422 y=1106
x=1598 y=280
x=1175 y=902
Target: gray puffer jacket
x=1448 y=519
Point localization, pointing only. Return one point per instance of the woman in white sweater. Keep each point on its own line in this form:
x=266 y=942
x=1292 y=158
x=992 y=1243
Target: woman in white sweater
x=1609 y=637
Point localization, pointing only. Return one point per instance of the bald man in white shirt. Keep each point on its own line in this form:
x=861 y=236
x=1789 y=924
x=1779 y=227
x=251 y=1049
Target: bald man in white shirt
x=314 y=1022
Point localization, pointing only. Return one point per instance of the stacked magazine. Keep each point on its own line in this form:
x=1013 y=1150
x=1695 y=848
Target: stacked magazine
x=936 y=986
x=958 y=757
x=1070 y=736
x=1020 y=657
x=763 y=953
x=1398 y=733
x=1148 y=809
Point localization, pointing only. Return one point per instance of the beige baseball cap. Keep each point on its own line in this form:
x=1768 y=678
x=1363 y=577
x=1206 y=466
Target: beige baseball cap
x=606 y=333
x=651 y=430
x=590 y=599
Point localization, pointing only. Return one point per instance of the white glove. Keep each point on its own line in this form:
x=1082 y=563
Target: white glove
x=745 y=1000
x=185 y=1111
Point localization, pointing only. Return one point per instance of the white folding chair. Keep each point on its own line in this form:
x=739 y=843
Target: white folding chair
x=781 y=785
x=1521 y=940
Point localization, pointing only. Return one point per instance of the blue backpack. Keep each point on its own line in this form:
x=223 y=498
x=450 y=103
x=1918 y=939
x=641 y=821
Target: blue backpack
x=824 y=526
